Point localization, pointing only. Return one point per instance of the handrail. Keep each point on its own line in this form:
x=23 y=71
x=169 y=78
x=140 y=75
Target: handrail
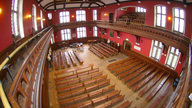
x=186 y=83
x=18 y=48
x=2 y=93
x=3 y=97
x=179 y=96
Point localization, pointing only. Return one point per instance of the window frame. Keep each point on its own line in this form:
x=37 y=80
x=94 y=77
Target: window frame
x=173 y=55
x=95 y=31
x=173 y=24
x=161 y=16
x=156 y=51
x=81 y=31
x=17 y=18
x=64 y=17
x=94 y=15
x=66 y=34
x=80 y=15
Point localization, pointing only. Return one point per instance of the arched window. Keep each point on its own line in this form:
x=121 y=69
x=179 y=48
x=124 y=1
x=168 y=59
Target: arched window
x=81 y=32
x=17 y=18
x=66 y=34
x=64 y=17
x=41 y=16
x=80 y=15
x=34 y=17
x=94 y=15
x=178 y=20
x=160 y=16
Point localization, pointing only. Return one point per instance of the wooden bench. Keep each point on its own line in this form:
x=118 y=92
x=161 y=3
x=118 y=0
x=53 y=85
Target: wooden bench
x=78 y=57
x=125 y=104
x=134 y=74
x=122 y=64
x=78 y=75
x=81 y=105
x=105 y=47
x=151 y=84
x=101 y=51
x=55 y=60
x=96 y=53
x=112 y=102
x=105 y=50
x=84 y=89
x=160 y=97
x=127 y=67
x=110 y=46
x=67 y=59
x=146 y=80
x=141 y=76
x=119 y=62
x=66 y=74
x=154 y=92
x=61 y=60
x=76 y=69
x=122 y=75
x=72 y=59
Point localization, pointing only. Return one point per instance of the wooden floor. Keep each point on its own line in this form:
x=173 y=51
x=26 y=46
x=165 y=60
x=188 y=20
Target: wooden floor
x=90 y=58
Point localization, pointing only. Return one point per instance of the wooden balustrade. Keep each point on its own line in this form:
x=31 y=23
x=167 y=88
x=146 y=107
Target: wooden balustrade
x=26 y=88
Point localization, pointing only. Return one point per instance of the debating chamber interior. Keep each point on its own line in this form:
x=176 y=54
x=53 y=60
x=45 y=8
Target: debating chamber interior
x=95 y=54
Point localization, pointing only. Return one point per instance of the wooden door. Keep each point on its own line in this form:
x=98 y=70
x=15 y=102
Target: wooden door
x=111 y=17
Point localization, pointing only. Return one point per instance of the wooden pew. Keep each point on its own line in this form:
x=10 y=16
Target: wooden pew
x=72 y=59
x=161 y=96
x=75 y=69
x=66 y=74
x=55 y=60
x=84 y=89
x=100 y=51
x=151 y=84
x=122 y=75
x=110 y=46
x=105 y=97
x=96 y=53
x=67 y=59
x=75 y=75
x=81 y=105
x=141 y=76
x=135 y=74
x=127 y=67
x=105 y=47
x=105 y=50
x=154 y=92
x=144 y=81
x=62 y=59
x=119 y=62
x=122 y=64
x=125 y=104
x=78 y=57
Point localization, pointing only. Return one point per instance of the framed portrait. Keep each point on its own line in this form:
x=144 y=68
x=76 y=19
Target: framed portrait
x=103 y=32
x=111 y=34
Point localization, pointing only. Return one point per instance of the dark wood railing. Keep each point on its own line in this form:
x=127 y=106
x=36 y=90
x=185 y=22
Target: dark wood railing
x=177 y=40
x=26 y=88
x=179 y=97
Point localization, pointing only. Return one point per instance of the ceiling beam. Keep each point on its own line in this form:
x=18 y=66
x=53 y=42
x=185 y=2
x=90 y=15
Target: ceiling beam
x=117 y=1
x=55 y=5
